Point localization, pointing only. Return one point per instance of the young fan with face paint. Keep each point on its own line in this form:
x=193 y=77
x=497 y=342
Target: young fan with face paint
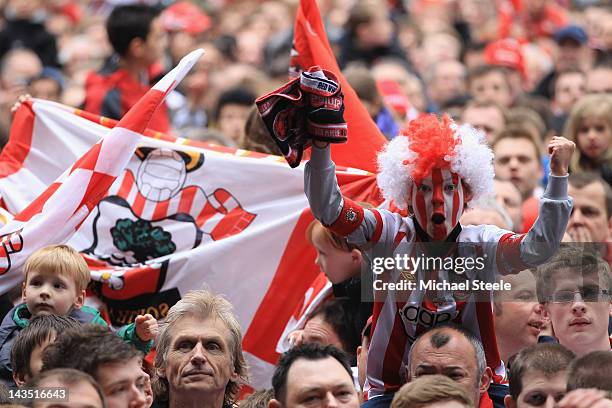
x=434 y=169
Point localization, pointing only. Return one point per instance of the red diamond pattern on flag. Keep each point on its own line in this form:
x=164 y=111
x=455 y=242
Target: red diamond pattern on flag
x=89 y=160
x=54 y=216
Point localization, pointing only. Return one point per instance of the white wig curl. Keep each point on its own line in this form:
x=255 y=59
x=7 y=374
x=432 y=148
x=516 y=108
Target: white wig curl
x=468 y=155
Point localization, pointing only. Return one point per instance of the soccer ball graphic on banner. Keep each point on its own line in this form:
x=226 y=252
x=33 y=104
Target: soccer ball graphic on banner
x=161 y=175
x=155 y=209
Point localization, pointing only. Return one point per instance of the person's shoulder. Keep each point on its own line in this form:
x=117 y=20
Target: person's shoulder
x=9 y=316
x=87 y=314
x=98 y=84
x=14 y=321
x=481 y=233
x=469 y=231
x=394 y=220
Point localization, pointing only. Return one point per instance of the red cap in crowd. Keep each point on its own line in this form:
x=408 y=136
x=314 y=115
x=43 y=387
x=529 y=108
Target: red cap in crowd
x=185 y=16
x=394 y=96
x=507 y=53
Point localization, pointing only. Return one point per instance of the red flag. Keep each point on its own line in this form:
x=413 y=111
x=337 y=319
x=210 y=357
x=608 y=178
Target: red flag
x=311 y=47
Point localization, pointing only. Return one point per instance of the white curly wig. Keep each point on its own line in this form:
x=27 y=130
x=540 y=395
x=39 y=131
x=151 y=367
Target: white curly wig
x=429 y=143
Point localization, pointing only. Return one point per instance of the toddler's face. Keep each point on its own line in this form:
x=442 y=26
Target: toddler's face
x=50 y=293
x=594 y=137
x=336 y=264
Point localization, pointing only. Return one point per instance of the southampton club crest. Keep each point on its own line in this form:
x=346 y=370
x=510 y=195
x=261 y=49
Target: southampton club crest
x=129 y=291
x=152 y=210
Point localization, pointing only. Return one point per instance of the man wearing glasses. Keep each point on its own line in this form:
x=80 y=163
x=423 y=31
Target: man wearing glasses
x=574 y=287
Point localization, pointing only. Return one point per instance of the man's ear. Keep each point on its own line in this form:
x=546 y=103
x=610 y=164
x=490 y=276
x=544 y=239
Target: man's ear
x=234 y=377
x=80 y=300
x=20 y=379
x=274 y=403
x=509 y=402
x=362 y=31
x=407 y=373
x=136 y=47
x=160 y=372
x=356 y=256
x=358 y=351
x=610 y=227
x=485 y=380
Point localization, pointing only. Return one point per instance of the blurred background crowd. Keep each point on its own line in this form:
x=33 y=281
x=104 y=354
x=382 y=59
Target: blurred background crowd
x=493 y=63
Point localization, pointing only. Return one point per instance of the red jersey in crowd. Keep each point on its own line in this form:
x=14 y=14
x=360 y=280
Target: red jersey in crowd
x=112 y=92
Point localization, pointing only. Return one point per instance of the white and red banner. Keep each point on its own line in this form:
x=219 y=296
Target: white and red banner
x=54 y=213
x=182 y=215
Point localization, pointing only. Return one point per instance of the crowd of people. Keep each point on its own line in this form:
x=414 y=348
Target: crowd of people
x=531 y=79
x=199 y=359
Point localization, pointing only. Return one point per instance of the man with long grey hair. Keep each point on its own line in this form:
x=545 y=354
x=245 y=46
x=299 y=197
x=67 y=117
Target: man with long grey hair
x=199 y=359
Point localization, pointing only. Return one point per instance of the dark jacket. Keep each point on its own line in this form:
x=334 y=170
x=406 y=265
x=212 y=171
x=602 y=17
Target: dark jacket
x=360 y=307
x=113 y=91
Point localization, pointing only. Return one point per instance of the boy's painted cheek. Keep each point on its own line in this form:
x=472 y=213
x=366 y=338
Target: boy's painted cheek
x=438 y=210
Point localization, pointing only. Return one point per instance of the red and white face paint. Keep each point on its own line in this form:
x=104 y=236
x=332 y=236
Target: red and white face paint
x=437 y=202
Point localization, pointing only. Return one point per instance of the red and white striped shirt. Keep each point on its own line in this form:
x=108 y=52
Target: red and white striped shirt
x=402 y=316
x=399 y=318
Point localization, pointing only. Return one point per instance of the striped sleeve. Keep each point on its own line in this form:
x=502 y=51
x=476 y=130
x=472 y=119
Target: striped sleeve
x=342 y=215
x=516 y=252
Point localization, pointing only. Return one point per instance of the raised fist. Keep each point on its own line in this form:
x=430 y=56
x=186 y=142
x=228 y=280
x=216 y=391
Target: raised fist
x=146 y=327
x=560 y=150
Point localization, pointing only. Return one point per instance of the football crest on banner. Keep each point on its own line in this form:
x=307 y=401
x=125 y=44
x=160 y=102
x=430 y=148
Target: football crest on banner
x=131 y=291
x=153 y=209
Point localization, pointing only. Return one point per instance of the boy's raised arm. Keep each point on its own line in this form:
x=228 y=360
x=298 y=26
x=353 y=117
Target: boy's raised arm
x=342 y=215
x=321 y=186
x=544 y=237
